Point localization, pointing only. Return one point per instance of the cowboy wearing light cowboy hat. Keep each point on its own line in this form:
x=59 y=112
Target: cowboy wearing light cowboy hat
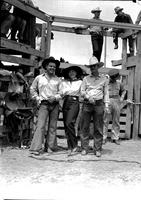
x=96 y=33
x=122 y=18
x=94 y=90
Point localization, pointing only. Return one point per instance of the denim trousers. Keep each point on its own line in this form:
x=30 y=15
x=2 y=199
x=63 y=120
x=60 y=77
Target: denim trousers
x=70 y=113
x=97 y=44
x=96 y=111
x=48 y=111
x=114 y=116
x=129 y=38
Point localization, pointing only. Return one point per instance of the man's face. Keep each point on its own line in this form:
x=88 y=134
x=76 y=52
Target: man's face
x=94 y=69
x=97 y=14
x=50 y=68
x=119 y=12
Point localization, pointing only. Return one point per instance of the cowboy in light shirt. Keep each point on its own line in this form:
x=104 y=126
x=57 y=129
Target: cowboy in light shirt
x=96 y=33
x=45 y=89
x=94 y=90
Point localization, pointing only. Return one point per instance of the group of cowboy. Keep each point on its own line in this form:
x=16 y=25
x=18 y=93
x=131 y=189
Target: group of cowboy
x=97 y=31
x=97 y=93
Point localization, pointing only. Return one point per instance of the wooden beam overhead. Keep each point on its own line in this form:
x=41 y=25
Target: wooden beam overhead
x=82 y=21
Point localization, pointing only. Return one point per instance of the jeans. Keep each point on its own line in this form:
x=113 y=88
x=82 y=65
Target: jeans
x=97 y=44
x=114 y=116
x=70 y=113
x=96 y=110
x=130 y=39
x=51 y=111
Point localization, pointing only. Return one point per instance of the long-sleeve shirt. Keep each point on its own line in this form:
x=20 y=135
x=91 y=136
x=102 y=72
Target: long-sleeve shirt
x=116 y=89
x=124 y=18
x=43 y=87
x=138 y=18
x=71 y=88
x=96 y=29
x=96 y=88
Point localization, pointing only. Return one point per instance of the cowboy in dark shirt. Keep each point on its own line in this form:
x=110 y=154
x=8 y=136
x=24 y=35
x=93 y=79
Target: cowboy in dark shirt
x=122 y=18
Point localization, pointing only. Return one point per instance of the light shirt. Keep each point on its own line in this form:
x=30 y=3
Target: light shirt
x=116 y=89
x=71 y=88
x=96 y=29
x=96 y=88
x=43 y=87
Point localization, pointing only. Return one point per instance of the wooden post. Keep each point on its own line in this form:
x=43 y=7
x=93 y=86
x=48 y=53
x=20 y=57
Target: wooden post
x=137 y=89
x=48 y=40
x=124 y=53
x=129 y=112
x=43 y=36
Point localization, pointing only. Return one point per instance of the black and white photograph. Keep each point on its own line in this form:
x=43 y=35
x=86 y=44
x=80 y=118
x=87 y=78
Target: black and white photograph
x=70 y=99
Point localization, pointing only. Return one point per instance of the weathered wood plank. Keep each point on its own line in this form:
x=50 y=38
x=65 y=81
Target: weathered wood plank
x=137 y=89
x=13 y=59
x=129 y=118
x=48 y=40
x=9 y=44
x=31 y=10
x=82 y=21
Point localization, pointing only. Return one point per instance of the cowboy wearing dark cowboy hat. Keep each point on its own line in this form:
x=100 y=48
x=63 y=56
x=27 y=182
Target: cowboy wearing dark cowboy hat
x=77 y=69
x=116 y=95
x=94 y=90
x=122 y=18
x=70 y=91
x=45 y=89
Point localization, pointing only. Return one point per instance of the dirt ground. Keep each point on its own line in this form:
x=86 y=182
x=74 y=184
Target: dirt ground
x=116 y=175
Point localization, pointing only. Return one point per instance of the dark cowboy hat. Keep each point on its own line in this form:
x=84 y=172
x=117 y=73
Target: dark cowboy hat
x=50 y=59
x=93 y=61
x=114 y=73
x=77 y=69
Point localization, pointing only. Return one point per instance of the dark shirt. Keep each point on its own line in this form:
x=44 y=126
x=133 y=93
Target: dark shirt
x=124 y=18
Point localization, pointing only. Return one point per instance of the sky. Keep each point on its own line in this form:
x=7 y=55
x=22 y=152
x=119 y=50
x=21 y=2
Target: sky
x=75 y=48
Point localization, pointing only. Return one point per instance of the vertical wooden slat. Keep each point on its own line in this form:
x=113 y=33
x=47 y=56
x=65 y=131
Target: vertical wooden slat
x=48 y=40
x=43 y=35
x=124 y=53
x=137 y=90
x=129 y=107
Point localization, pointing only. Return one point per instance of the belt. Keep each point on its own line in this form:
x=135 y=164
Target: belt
x=72 y=97
x=114 y=96
x=95 y=102
x=47 y=102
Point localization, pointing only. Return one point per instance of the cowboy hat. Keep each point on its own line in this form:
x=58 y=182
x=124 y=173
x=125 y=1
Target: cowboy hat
x=96 y=10
x=117 y=9
x=114 y=73
x=50 y=59
x=93 y=61
x=77 y=69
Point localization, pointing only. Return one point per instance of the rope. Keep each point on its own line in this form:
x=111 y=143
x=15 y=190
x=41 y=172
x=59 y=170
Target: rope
x=132 y=102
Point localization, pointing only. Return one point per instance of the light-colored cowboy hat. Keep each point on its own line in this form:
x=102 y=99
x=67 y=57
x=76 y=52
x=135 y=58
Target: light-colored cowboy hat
x=96 y=10
x=117 y=9
x=93 y=61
